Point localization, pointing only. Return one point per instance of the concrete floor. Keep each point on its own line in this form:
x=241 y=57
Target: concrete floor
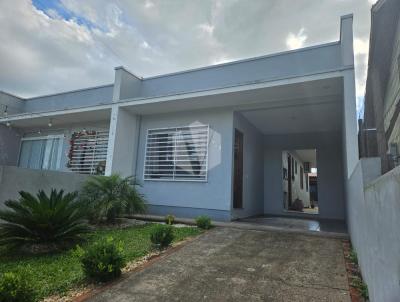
x=301 y=224
x=228 y=264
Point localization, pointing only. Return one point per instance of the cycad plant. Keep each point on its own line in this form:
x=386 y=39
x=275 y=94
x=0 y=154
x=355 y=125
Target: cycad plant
x=110 y=197
x=42 y=219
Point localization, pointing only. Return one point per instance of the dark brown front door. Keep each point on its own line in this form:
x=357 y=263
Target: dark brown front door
x=290 y=172
x=238 y=171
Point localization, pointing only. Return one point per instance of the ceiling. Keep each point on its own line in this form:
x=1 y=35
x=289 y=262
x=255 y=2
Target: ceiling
x=307 y=155
x=86 y=117
x=297 y=118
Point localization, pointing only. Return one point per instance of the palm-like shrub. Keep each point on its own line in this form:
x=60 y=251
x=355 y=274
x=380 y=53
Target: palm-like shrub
x=110 y=197
x=54 y=219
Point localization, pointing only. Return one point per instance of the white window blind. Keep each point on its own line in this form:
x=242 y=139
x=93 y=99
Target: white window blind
x=88 y=152
x=178 y=154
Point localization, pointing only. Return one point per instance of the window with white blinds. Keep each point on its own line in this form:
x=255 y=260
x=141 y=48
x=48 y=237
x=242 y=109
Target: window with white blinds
x=177 y=154
x=88 y=152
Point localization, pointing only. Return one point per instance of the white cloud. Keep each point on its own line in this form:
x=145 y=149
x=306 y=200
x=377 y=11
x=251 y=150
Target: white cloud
x=294 y=41
x=45 y=53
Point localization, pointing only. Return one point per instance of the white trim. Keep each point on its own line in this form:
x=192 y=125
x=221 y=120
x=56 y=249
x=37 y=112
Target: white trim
x=337 y=72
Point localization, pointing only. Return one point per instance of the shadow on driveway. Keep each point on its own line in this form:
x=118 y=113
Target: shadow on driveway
x=229 y=264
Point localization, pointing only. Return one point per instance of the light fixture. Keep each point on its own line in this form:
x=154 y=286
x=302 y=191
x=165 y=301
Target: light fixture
x=39 y=131
x=6 y=111
x=50 y=123
x=84 y=130
x=8 y=124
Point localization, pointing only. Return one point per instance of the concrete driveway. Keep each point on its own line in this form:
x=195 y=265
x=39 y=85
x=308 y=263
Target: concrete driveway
x=229 y=264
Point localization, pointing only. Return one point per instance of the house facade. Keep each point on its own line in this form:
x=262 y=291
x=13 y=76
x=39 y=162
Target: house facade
x=379 y=133
x=202 y=141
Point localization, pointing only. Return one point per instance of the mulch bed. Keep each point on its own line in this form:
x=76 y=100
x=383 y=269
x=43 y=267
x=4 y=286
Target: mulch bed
x=353 y=274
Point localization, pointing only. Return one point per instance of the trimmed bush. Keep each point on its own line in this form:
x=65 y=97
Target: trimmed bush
x=203 y=222
x=103 y=260
x=44 y=221
x=15 y=288
x=170 y=219
x=162 y=235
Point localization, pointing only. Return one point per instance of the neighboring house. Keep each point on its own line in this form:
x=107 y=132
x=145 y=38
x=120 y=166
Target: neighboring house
x=295 y=176
x=379 y=131
x=202 y=141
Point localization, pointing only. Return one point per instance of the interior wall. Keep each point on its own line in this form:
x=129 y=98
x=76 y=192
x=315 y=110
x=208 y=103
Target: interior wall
x=331 y=199
x=253 y=172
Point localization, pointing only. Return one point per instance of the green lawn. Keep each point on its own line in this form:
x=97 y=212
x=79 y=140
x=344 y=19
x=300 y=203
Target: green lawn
x=56 y=273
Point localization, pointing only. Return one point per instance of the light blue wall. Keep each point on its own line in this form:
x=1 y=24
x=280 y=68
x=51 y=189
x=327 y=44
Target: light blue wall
x=68 y=100
x=331 y=199
x=288 y=64
x=215 y=194
x=253 y=169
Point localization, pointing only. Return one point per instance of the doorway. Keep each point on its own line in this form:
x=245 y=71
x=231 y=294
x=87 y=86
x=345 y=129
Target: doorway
x=300 y=181
x=238 y=171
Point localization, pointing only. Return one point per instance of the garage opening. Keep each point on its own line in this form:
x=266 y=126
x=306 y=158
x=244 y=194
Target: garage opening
x=300 y=181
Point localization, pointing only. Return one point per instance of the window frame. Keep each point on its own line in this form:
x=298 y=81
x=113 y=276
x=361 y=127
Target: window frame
x=173 y=179
x=44 y=137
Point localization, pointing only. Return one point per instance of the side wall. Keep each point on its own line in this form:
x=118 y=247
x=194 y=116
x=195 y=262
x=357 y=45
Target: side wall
x=331 y=200
x=14 y=179
x=253 y=172
x=373 y=221
x=188 y=198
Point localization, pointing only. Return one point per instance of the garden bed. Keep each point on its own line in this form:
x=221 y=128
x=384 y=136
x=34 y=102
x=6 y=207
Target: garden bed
x=358 y=289
x=61 y=273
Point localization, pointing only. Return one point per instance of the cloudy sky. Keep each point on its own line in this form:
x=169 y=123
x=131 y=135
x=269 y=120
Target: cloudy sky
x=56 y=45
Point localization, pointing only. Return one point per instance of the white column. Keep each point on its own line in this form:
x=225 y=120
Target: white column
x=122 y=143
x=350 y=122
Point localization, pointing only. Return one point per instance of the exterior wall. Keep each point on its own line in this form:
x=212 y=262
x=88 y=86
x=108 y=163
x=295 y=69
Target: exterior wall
x=67 y=132
x=121 y=151
x=331 y=201
x=297 y=191
x=392 y=96
x=14 y=179
x=278 y=66
x=373 y=220
x=73 y=99
x=188 y=197
x=253 y=172
x=14 y=104
x=10 y=141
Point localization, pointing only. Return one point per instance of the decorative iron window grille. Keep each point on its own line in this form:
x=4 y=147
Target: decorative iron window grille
x=177 y=154
x=88 y=152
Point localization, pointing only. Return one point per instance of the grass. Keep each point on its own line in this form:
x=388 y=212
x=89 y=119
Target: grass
x=56 y=273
